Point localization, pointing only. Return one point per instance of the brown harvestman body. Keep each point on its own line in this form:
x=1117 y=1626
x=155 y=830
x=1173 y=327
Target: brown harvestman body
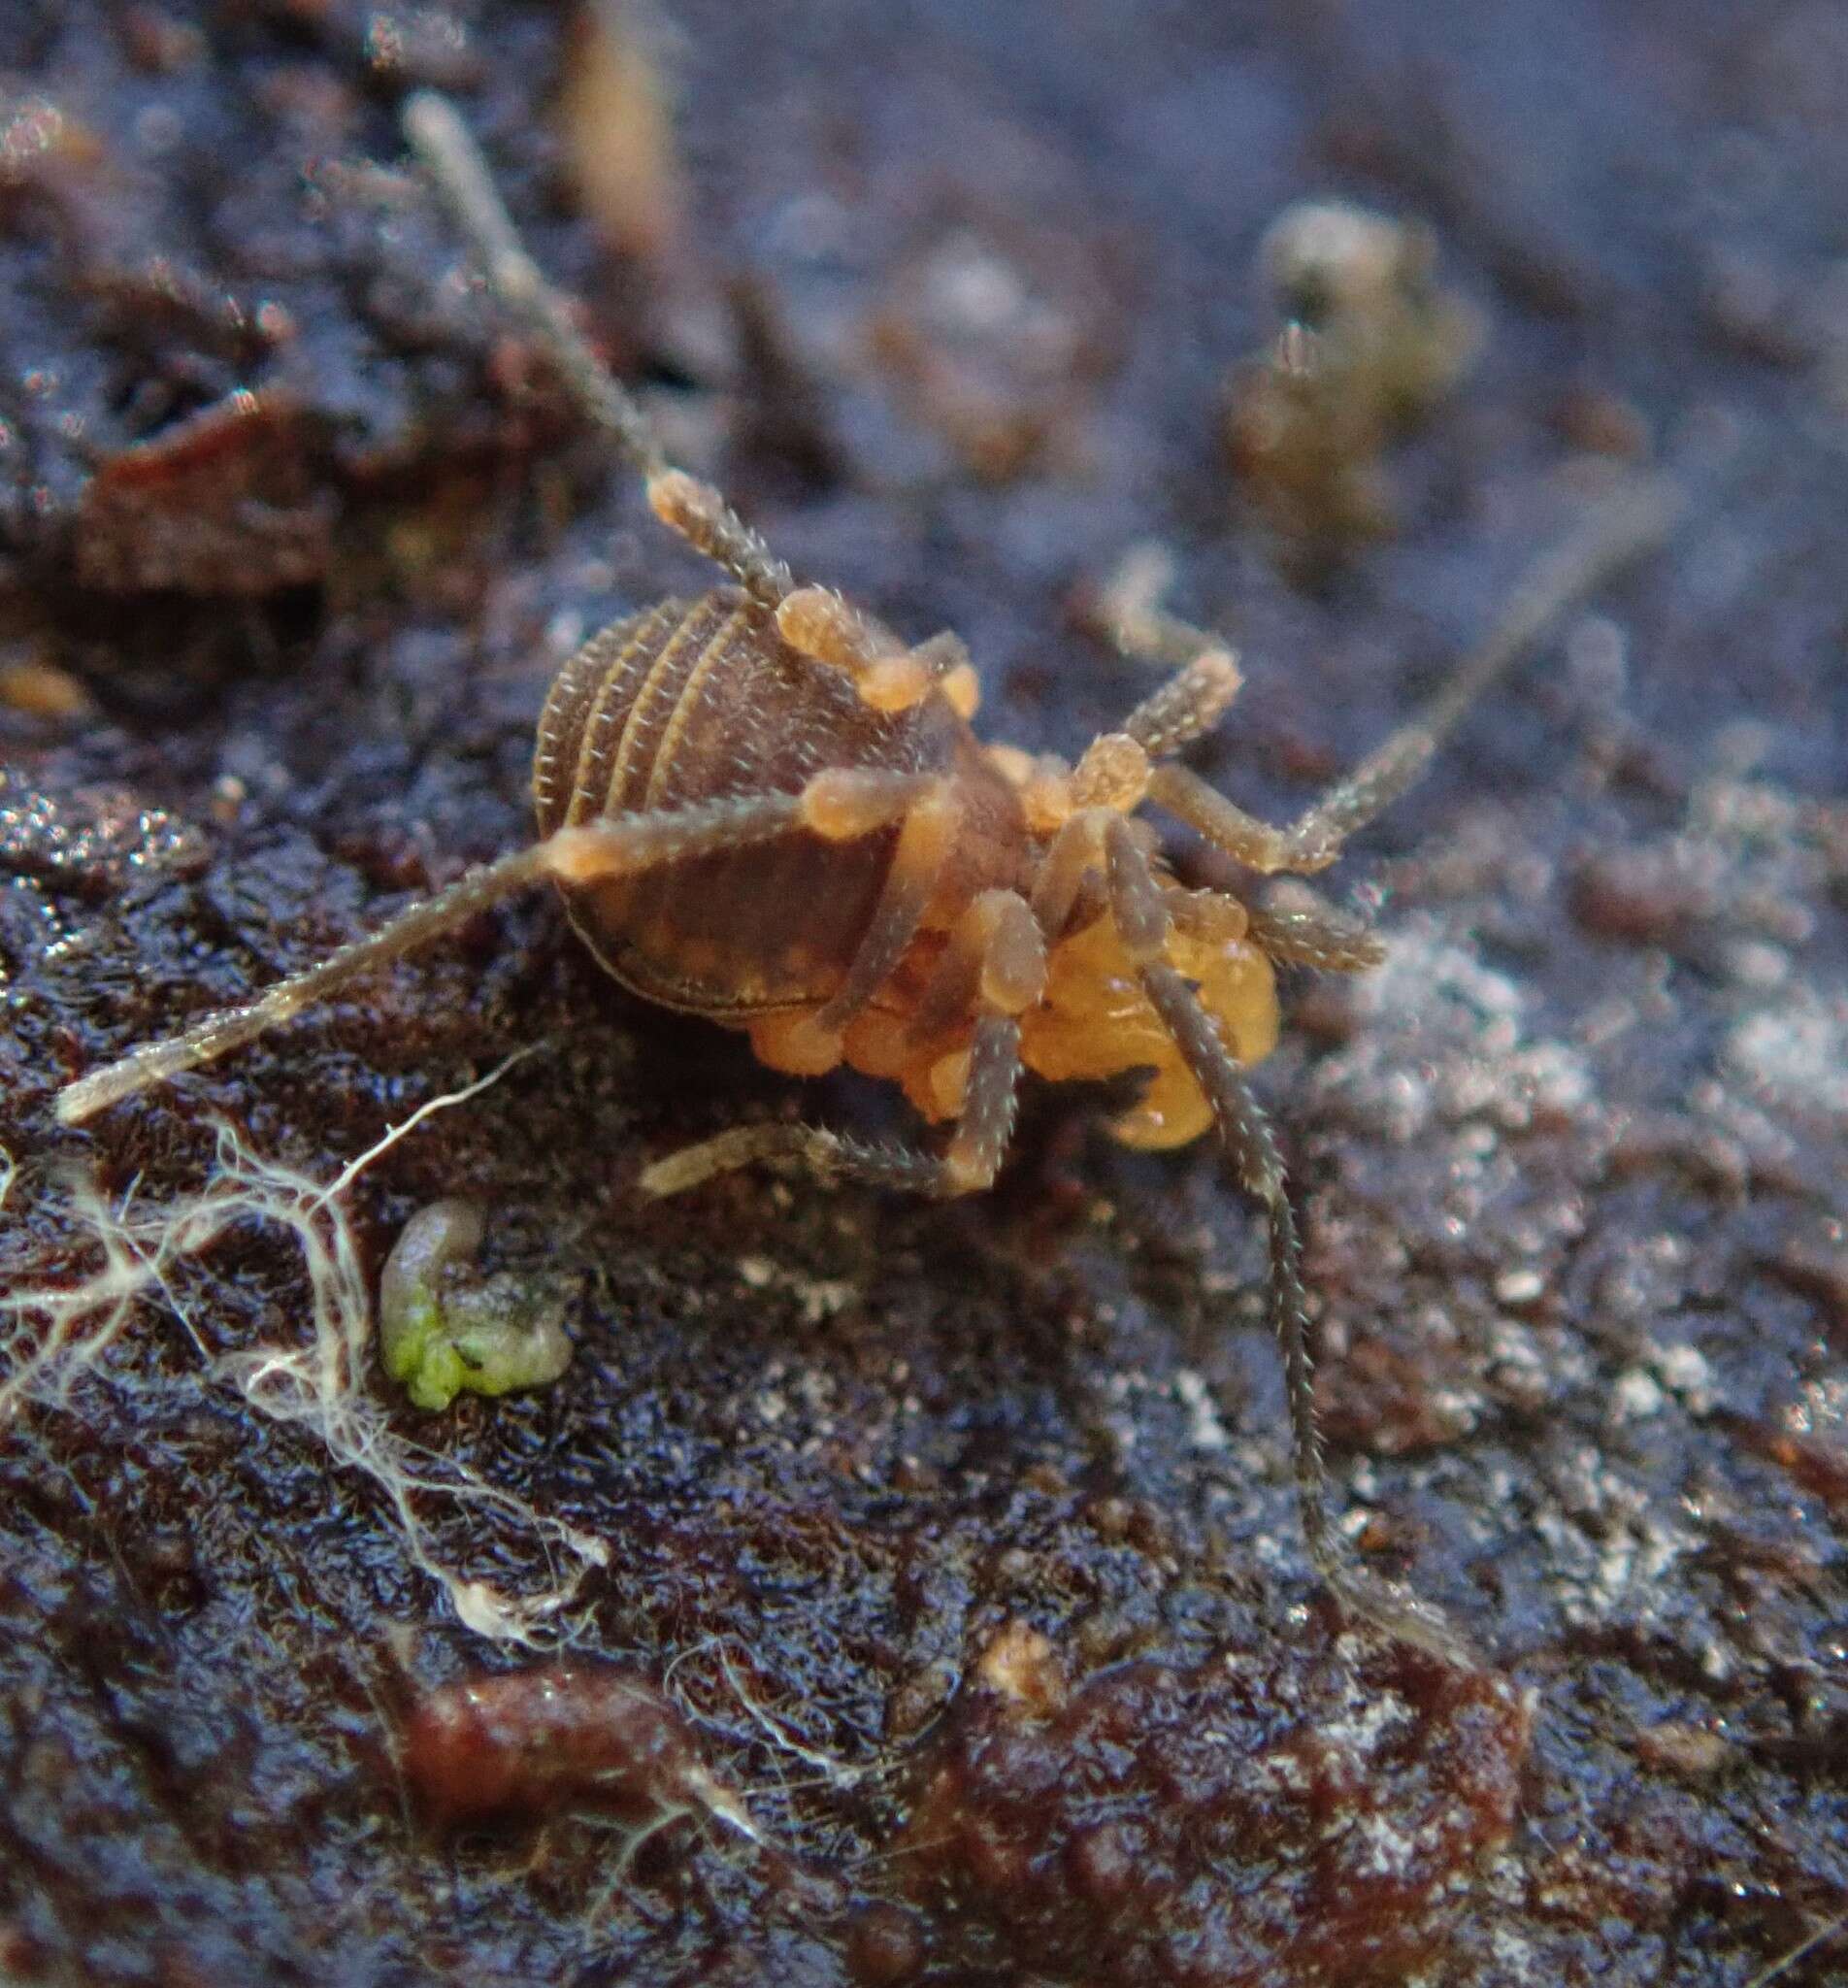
x=763 y=807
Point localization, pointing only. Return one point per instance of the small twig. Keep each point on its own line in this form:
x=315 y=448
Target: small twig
x=1822 y=1935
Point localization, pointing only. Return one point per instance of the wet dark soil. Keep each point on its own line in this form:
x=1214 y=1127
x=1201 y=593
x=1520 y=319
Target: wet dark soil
x=961 y=1536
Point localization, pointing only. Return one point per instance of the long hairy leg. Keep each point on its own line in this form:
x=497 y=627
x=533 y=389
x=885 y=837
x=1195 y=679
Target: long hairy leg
x=814 y=619
x=453 y=161
x=1120 y=767
x=228 y=1029
x=1140 y=917
x=1206 y=671
x=1249 y=1144
x=1623 y=527
x=833 y=805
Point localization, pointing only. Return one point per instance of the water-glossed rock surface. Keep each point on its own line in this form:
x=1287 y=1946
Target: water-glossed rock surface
x=1316 y=1817
x=1569 y=1164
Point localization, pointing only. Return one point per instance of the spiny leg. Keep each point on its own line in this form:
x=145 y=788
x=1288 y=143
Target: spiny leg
x=1207 y=674
x=1113 y=775
x=1116 y=769
x=994 y=961
x=979 y=1143
x=1252 y=1148
x=1141 y=918
x=820 y=623
x=455 y=163
x=1317 y=936
x=574 y=855
x=814 y=619
x=1616 y=531
x=981 y=1134
x=1188 y=706
x=1310 y=933
x=229 y=1028
x=1071 y=807
x=1008 y=976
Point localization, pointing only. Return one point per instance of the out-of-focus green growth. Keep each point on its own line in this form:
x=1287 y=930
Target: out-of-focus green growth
x=443 y=1330
x=1369 y=345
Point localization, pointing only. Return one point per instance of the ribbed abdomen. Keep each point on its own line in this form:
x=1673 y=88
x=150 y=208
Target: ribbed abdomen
x=703 y=701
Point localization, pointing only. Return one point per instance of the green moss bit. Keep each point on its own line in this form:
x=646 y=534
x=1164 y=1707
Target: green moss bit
x=440 y=1332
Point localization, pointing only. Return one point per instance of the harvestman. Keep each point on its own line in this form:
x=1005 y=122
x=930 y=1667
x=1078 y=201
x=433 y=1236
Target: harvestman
x=764 y=808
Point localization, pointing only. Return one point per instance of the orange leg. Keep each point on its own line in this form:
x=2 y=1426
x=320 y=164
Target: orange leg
x=1005 y=982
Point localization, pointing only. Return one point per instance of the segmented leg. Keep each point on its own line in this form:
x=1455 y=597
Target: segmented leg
x=229 y=1028
x=1188 y=706
x=1618 y=530
x=574 y=855
x=924 y=842
x=1328 y=940
x=1207 y=674
x=1140 y=917
x=1009 y=973
x=994 y=961
x=819 y=623
x=813 y=619
x=1131 y=617
x=969 y=1163
x=1074 y=851
x=456 y=168
x=1116 y=769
